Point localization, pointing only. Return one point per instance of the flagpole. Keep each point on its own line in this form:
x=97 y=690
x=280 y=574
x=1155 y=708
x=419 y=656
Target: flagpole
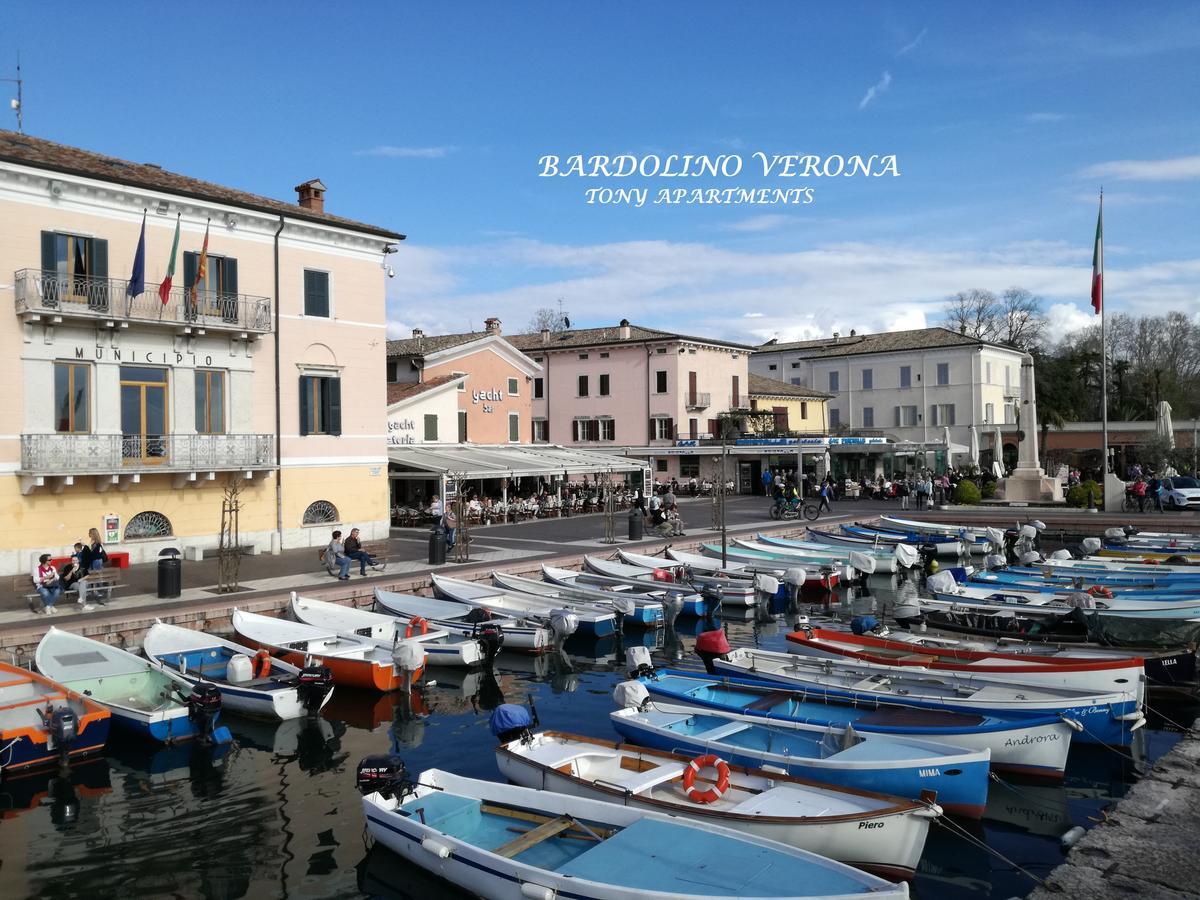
x=1103 y=348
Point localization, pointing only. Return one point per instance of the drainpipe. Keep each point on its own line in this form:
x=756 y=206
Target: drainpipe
x=278 y=406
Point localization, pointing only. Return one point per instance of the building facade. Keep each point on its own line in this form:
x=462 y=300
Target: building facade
x=133 y=407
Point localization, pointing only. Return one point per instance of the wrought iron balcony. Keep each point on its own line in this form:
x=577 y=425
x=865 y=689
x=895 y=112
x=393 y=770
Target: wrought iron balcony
x=44 y=293
x=115 y=454
x=697 y=400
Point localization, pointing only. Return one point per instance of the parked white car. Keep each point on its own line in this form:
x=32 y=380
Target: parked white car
x=1181 y=492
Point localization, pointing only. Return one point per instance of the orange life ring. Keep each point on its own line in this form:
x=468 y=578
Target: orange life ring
x=1099 y=590
x=715 y=792
x=1151 y=562
x=412 y=624
x=262 y=664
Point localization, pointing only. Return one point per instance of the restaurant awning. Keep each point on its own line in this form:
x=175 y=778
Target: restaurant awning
x=422 y=461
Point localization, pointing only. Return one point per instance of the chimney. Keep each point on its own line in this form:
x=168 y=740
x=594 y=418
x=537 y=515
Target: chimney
x=545 y=335
x=835 y=337
x=962 y=328
x=853 y=332
x=311 y=195
x=626 y=331
x=491 y=325
x=418 y=333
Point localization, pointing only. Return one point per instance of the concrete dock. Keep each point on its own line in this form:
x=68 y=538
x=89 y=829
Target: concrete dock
x=1149 y=845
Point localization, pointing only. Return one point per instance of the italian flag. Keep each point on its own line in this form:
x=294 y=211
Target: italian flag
x=164 y=289
x=1098 y=263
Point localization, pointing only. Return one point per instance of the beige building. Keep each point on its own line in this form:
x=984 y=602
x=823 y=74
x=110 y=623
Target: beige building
x=131 y=407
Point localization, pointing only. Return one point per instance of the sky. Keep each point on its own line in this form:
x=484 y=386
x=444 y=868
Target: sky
x=431 y=119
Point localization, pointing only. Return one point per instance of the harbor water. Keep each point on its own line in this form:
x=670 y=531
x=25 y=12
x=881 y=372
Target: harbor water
x=277 y=814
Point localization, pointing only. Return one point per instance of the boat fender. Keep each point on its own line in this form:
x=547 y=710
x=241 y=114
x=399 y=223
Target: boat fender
x=1075 y=724
x=537 y=891
x=1071 y=838
x=438 y=849
x=715 y=792
x=413 y=624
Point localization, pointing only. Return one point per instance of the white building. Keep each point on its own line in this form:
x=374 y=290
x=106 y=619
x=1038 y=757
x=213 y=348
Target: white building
x=907 y=385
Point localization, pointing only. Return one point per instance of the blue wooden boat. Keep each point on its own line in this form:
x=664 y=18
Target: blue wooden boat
x=1185 y=590
x=946 y=545
x=43 y=722
x=1048 y=603
x=1032 y=745
x=150 y=701
x=906 y=767
x=691 y=603
x=591 y=619
x=637 y=610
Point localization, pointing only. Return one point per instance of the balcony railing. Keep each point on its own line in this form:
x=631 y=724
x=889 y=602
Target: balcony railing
x=696 y=400
x=50 y=293
x=110 y=454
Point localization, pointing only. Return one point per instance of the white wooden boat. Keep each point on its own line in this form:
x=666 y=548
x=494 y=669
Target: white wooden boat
x=388 y=631
x=513 y=843
x=590 y=619
x=446 y=615
x=642 y=610
x=876 y=832
x=735 y=591
x=690 y=602
x=252 y=683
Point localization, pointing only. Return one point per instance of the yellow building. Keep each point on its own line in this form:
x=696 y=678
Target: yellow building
x=131 y=404
x=796 y=409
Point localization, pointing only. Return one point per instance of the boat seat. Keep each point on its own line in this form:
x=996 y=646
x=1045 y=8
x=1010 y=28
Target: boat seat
x=635 y=782
x=723 y=731
x=922 y=658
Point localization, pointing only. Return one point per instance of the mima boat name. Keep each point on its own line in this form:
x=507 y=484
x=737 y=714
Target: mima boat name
x=723 y=165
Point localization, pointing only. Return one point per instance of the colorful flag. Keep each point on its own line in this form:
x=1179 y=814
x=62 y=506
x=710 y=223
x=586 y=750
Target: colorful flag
x=137 y=280
x=164 y=289
x=1098 y=262
x=201 y=265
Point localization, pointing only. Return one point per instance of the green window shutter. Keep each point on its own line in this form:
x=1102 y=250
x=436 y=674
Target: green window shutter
x=316 y=293
x=333 y=395
x=305 y=412
x=190 y=261
x=49 y=253
x=231 y=275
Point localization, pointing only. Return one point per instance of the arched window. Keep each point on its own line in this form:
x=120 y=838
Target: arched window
x=148 y=524
x=320 y=512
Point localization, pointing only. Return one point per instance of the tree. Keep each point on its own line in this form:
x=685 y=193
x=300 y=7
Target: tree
x=547 y=318
x=1015 y=318
x=972 y=312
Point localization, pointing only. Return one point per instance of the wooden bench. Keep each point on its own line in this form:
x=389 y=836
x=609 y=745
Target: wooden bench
x=100 y=587
x=381 y=559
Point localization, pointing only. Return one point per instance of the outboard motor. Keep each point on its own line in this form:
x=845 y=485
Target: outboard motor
x=204 y=705
x=709 y=646
x=765 y=586
x=563 y=624
x=994 y=561
x=510 y=722
x=63 y=726
x=928 y=553
x=491 y=638
x=312 y=687
x=1032 y=558
x=631 y=695
x=1116 y=535
x=383 y=774
x=907 y=614
x=712 y=598
x=637 y=661
x=1090 y=545
x=794 y=579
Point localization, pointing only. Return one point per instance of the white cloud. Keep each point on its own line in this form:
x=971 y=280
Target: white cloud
x=765 y=222
x=1039 y=118
x=394 y=152
x=884 y=82
x=1179 y=168
x=912 y=45
x=752 y=315
x=1064 y=318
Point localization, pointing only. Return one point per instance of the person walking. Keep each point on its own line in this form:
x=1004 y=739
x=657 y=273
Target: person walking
x=1139 y=492
x=1155 y=491
x=335 y=555
x=355 y=551
x=46 y=583
x=450 y=523
x=826 y=491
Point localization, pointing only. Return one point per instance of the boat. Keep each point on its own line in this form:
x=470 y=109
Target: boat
x=1094 y=676
x=735 y=592
x=440 y=647
x=1033 y=746
x=1102 y=564
x=666 y=581
x=355 y=662
x=815 y=570
x=900 y=766
x=638 y=610
x=43 y=722
x=945 y=545
x=565 y=617
x=142 y=698
x=510 y=843
x=1109 y=718
x=466 y=622
x=710 y=575
x=878 y=833
x=1051 y=603
x=885 y=560
x=251 y=682
x=1162 y=593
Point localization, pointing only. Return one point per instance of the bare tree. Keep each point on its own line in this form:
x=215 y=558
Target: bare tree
x=973 y=312
x=1022 y=320
x=546 y=319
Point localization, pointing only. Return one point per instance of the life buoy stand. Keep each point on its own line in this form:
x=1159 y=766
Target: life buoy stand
x=413 y=624
x=715 y=792
x=262 y=664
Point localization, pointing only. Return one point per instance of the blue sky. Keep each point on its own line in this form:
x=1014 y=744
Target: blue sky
x=430 y=118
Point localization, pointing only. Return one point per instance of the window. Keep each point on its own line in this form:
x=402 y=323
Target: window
x=514 y=427
x=71 y=403
x=797 y=381
x=660 y=465
x=210 y=401
x=989 y=413
x=868 y=379
x=835 y=418
x=771 y=367
x=148 y=524
x=512 y=387
x=905 y=376
x=216 y=292
x=604 y=356
x=462 y=426
x=906 y=416
x=780 y=418
x=941 y=414
x=689 y=466
x=735 y=399
x=320 y=405
x=662 y=429
x=1007 y=379
x=316 y=293
x=539 y=388
x=803 y=409
x=987 y=373
x=693 y=428
x=943 y=373
x=145 y=413
x=603 y=385
x=583 y=356
x=868 y=415
x=431 y=428
x=541 y=430
x=583 y=386
x=585 y=430
x=833 y=382
x=319 y=512
x=661 y=350
x=608 y=430
x=462 y=385
x=76 y=269
x=393 y=370
x=795 y=365
x=660 y=382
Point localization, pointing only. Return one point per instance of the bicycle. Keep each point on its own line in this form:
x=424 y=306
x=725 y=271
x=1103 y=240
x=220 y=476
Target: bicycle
x=811 y=511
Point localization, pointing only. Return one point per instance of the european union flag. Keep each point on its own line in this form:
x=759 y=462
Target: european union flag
x=137 y=280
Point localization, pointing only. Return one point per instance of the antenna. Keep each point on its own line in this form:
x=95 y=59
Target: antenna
x=16 y=104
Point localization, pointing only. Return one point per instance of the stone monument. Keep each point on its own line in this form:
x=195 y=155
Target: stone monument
x=1028 y=483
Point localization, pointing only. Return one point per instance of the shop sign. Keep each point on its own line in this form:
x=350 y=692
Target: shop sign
x=487 y=398
x=112 y=529
x=145 y=357
x=401 y=432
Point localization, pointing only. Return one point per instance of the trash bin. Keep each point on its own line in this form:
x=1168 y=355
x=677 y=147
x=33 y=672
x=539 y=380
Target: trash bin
x=437 y=545
x=636 y=524
x=170 y=574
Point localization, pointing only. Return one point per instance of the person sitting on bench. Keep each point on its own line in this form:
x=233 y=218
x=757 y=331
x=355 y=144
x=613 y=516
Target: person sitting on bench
x=354 y=550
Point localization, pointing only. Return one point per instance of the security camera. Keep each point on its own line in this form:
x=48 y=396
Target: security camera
x=391 y=272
